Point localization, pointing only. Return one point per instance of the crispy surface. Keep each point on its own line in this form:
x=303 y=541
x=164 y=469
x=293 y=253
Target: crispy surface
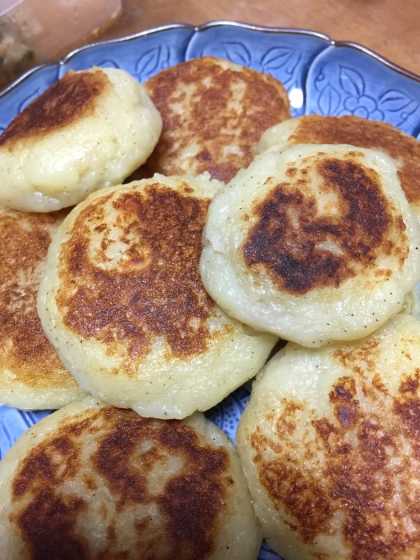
x=315 y=243
x=357 y=131
x=214 y=113
x=133 y=298
x=72 y=98
x=123 y=302
x=331 y=439
x=289 y=234
x=103 y=482
x=31 y=373
x=90 y=129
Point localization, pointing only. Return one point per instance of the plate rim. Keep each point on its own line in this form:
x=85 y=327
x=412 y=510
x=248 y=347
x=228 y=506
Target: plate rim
x=329 y=41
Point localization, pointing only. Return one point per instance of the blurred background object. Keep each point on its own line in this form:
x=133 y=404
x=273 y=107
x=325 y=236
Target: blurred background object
x=34 y=31
x=44 y=30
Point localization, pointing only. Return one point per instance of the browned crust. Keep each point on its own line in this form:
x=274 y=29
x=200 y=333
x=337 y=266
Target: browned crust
x=24 y=349
x=317 y=129
x=67 y=101
x=189 y=504
x=227 y=109
x=154 y=291
x=370 y=461
x=364 y=228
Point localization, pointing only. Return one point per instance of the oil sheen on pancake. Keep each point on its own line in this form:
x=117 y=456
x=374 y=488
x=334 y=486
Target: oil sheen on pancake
x=329 y=443
x=357 y=131
x=313 y=243
x=95 y=482
x=31 y=374
x=123 y=303
x=214 y=113
x=90 y=129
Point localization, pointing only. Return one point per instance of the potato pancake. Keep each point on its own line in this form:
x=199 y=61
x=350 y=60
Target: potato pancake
x=314 y=243
x=92 y=481
x=214 y=113
x=123 y=303
x=90 y=129
x=31 y=374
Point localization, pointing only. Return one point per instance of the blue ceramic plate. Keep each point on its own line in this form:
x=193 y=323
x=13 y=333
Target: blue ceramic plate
x=321 y=75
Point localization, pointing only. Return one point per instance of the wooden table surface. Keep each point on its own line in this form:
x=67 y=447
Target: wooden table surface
x=389 y=27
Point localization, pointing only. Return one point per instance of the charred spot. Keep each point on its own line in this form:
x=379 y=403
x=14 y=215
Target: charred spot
x=223 y=108
x=191 y=509
x=47 y=526
x=168 y=227
x=204 y=156
x=45 y=517
x=36 y=468
x=344 y=390
x=294 y=255
x=190 y=501
x=360 y=189
x=342 y=396
x=55 y=460
x=65 y=102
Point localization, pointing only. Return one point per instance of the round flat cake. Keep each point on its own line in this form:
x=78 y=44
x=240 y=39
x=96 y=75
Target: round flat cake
x=90 y=129
x=214 y=113
x=329 y=443
x=94 y=482
x=123 y=303
x=357 y=131
x=31 y=374
x=314 y=243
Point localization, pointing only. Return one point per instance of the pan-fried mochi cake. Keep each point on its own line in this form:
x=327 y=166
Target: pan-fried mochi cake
x=123 y=303
x=89 y=130
x=31 y=374
x=95 y=482
x=329 y=443
x=214 y=113
x=357 y=131
x=315 y=243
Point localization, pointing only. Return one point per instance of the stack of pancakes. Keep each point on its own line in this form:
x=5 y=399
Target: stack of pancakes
x=125 y=316
x=317 y=241
x=160 y=296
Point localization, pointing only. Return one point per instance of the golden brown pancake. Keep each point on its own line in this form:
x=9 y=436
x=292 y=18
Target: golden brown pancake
x=75 y=96
x=314 y=243
x=94 y=482
x=31 y=374
x=329 y=443
x=214 y=113
x=357 y=131
x=89 y=130
x=123 y=303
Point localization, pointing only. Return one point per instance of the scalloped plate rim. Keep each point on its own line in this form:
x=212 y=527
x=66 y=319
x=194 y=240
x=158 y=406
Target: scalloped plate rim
x=330 y=42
